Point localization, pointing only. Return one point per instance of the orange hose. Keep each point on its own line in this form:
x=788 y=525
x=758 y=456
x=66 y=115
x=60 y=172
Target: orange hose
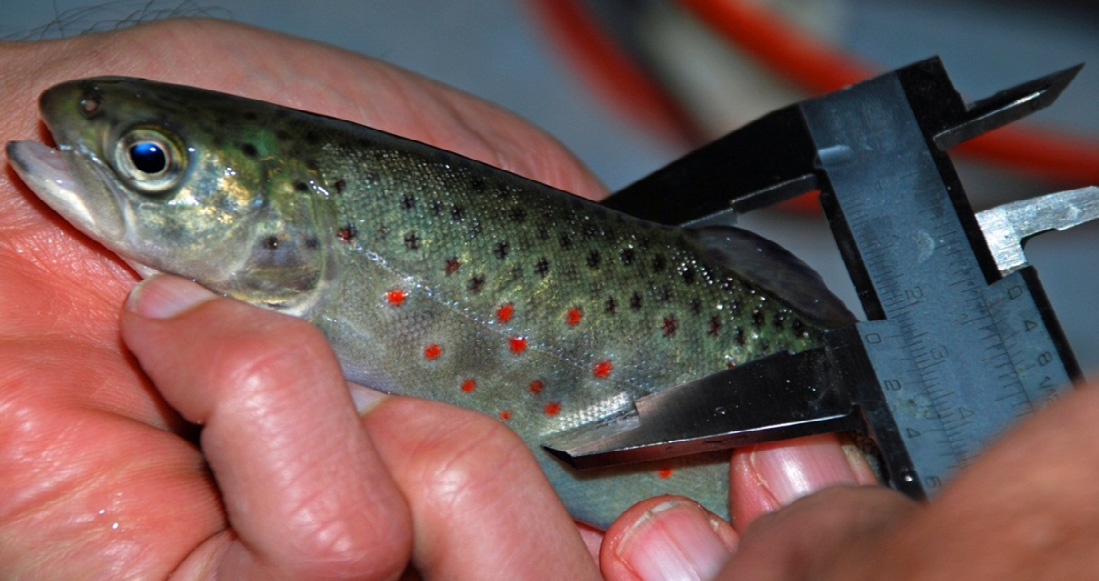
x=820 y=68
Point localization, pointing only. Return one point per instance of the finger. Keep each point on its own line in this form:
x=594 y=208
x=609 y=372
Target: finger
x=480 y=504
x=667 y=537
x=767 y=477
x=816 y=533
x=305 y=492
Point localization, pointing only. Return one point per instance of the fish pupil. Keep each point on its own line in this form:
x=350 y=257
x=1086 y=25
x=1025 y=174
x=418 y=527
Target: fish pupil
x=148 y=157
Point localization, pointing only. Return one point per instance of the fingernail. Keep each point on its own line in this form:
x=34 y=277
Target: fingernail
x=677 y=539
x=365 y=398
x=162 y=297
x=791 y=470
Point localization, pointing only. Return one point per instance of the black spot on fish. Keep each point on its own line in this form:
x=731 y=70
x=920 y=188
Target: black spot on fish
x=271 y=242
x=739 y=336
x=696 y=306
x=779 y=321
x=249 y=150
x=347 y=233
x=339 y=186
x=476 y=283
x=797 y=326
x=659 y=262
x=688 y=275
x=501 y=250
x=311 y=165
x=457 y=213
x=301 y=186
x=412 y=241
x=758 y=318
x=713 y=326
x=475 y=229
x=542 y=267
x=628 y=256
x=635 y=301
x=610 y=305
x=565 y=241
x=436 y=207
x=477 y=184
x=312 y=243
x=518 y=215
x=408 y=202
x=452 y=265
x=669 y=326
x=594 y=259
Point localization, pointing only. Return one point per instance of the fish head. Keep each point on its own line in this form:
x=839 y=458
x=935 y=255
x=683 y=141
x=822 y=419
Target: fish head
x=177 y=180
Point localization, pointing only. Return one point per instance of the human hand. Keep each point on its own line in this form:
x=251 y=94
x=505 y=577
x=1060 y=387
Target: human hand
x=102 y=475
x=102 y=478
x=1028 y=508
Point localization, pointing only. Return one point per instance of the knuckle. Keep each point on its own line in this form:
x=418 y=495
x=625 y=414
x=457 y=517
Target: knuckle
x=466 y=464
x=271 y=356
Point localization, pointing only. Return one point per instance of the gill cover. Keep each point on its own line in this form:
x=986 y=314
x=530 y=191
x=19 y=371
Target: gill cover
x=198 y=193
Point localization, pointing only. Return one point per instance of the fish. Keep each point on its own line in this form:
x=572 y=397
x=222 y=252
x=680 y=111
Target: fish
x=430 y=274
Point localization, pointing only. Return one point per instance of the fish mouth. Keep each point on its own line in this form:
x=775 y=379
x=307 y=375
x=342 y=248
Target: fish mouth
x=48 y=173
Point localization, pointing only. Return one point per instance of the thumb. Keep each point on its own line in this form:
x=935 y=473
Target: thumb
x=811 y=537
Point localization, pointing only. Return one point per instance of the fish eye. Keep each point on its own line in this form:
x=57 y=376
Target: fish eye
x=149 y=160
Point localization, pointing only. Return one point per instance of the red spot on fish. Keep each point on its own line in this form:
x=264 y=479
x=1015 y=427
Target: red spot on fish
x=517 y=344
x=665 y=473
x=602 y=368
x=504 y=313
x=505 y=415
x=468 y=385
x=346 y=234
x=452 y=265
x=669 y=326
x=432 y=351
x=536 y=386
x=396 y=297
x=552 y=408
x=573 y=317
x=730 y=365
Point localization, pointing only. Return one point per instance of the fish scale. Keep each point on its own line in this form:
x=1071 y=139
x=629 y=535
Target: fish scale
x=434 y=275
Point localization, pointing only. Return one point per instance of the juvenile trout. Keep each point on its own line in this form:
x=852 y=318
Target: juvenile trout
x=431 y=274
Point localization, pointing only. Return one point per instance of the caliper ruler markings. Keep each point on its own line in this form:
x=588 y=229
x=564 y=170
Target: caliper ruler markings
x=960 y=340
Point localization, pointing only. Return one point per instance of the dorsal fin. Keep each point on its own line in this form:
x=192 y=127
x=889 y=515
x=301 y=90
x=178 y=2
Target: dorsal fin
x=773 y=268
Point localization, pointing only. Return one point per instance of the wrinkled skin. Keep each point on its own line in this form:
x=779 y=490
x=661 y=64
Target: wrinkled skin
x=105 y=475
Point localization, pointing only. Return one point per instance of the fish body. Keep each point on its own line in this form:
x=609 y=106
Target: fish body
x=431 y=274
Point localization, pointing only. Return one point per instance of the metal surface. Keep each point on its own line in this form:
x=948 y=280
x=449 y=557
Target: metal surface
x=954 y=350
x=1007 y=227
x=799 y=396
